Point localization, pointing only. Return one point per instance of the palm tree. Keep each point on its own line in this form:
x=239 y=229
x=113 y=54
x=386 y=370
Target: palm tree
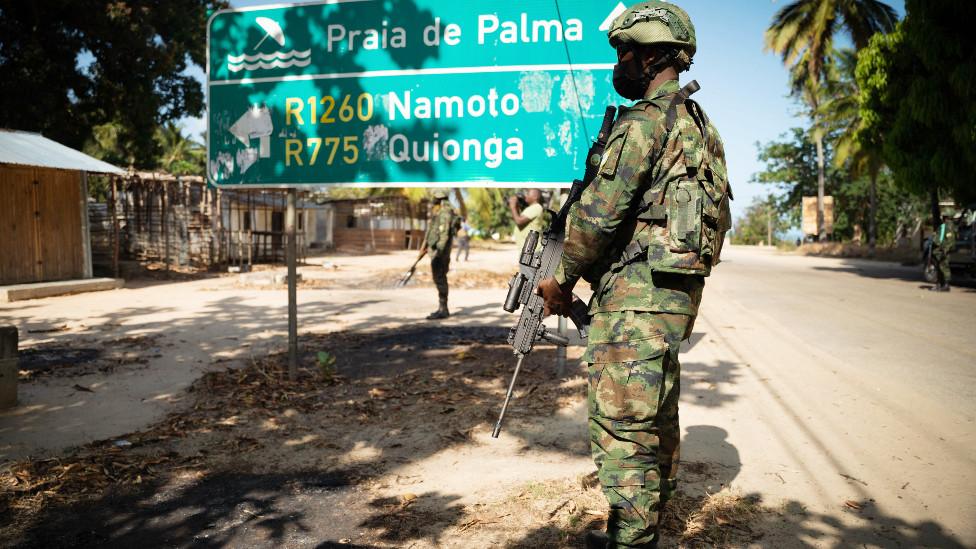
x=842 y=113
x=180 y=155
x=802 y=33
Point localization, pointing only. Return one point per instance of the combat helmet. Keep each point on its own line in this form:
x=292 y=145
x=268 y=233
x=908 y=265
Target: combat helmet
x=655 y=22
x=439 y=195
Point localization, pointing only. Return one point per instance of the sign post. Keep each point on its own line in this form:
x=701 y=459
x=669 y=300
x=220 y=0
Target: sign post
x=292 y=252
x=411 y=93
x=405 y=93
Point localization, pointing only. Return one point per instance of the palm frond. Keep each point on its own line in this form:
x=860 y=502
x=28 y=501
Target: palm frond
x=864 y=18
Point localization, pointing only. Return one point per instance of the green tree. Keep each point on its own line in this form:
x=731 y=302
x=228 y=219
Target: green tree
x=105 y=144
x=69 y=66
x=918 y=99
x=791 y=165
x=180 y=155
x=488 y=211
x=852 y=148
x=802 y=33
x=761 y=224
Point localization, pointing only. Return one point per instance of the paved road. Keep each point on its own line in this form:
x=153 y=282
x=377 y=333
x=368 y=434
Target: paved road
x=843 y=388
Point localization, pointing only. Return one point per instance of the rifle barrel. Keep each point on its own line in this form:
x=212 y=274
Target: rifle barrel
x=508 y=397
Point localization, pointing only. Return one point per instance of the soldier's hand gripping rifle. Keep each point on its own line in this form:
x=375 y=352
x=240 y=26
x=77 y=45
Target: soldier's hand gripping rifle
x=534 y=267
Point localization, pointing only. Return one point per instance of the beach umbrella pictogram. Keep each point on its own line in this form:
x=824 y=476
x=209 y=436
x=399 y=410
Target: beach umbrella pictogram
x=272 y=29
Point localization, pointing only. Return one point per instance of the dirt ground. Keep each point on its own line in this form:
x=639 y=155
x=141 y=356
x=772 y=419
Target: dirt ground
x=160 y=415
x=396 y=453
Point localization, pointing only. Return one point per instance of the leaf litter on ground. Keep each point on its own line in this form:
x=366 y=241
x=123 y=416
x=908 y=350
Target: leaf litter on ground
x=235 y=411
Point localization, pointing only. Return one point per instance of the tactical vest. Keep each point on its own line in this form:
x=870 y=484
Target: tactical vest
x=681 y=223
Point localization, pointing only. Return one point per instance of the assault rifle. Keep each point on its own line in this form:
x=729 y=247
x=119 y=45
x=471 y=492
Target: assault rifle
x=534 y=267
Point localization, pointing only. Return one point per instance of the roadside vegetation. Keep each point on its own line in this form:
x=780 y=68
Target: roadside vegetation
x=879 y=136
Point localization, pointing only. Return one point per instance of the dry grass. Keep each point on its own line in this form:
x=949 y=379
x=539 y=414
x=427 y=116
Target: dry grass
x=558 y=513
x=723 y=519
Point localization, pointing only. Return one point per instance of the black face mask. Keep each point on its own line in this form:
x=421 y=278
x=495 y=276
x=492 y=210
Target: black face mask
x=628 y=86
x=632 y=87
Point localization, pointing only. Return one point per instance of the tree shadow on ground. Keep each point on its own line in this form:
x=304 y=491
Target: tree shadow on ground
x=708 y=384
x=220 y=510
x=884 y=270
x=269 y=454
x=872 y=528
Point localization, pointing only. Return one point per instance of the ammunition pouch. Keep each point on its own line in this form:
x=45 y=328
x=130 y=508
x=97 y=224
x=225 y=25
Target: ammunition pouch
x=681 y=223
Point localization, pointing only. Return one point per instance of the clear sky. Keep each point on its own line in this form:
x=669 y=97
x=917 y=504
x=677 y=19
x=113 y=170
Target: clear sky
x=744 y=90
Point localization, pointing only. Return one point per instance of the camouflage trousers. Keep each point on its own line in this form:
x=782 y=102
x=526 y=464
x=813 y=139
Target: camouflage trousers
x=633 y=417
x=440 y=263
x=942 y=270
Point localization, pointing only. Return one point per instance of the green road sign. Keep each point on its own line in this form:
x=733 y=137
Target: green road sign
x=407 y=92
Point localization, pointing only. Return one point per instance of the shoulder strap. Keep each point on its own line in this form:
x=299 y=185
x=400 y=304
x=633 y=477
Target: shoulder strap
x=679 y=98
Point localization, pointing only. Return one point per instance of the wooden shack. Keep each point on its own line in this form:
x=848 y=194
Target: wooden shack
x=257 y=217
x=386 y=223
x=181 y=221
x=44 y=232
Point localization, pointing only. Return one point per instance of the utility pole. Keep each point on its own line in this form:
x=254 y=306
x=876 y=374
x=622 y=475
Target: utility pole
x=292 y=252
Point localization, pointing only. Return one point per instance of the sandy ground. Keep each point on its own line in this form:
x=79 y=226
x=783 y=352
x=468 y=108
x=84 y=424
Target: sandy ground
x=840 y=392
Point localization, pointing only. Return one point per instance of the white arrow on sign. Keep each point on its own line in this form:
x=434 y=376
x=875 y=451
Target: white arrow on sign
x=255 y=123
x=605 y=26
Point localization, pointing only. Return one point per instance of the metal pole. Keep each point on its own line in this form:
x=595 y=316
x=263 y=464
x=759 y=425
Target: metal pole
x=115 y=229
x=560 y=350
x=86 y=252
x=163 y=217
x=292 y=289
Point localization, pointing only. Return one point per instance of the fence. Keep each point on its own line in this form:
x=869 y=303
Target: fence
x=180 y=221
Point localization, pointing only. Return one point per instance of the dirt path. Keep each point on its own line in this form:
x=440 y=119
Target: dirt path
x=107 y=363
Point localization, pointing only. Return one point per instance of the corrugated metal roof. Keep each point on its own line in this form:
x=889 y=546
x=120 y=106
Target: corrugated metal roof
x=33 y=149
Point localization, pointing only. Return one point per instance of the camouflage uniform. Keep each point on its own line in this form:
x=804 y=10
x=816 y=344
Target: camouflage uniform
x=440 y=232
x=645 y=234
x=943 y=244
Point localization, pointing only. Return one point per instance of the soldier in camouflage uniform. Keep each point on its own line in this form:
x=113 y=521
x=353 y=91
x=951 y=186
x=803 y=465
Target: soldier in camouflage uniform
x=645 y=234
x=943 y=244
x=437 y=240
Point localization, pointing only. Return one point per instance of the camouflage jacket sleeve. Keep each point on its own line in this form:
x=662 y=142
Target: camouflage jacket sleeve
x=594 y=221
x=445 y=221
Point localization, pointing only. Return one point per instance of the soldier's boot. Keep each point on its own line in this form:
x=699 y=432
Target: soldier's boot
x=441 y=311
x=944 y=287
x=597 y=539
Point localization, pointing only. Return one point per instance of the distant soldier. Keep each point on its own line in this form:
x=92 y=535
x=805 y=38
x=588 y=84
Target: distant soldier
x=437 y=240
x=943 y=244
x=464 y=240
